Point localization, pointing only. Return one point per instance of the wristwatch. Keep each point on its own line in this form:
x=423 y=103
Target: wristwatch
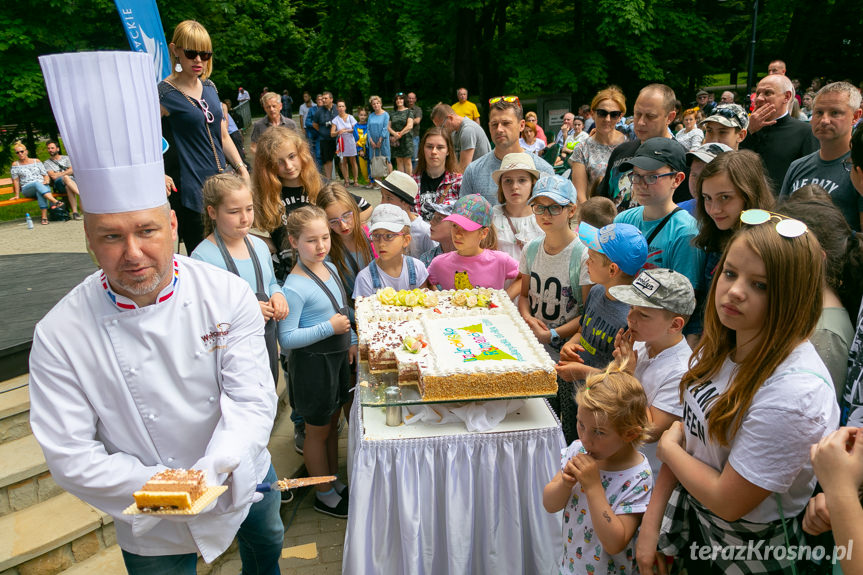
x=555 y=338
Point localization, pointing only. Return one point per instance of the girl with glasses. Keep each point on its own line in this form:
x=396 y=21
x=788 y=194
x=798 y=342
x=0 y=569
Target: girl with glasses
x=194 y=126
x=350 y=249
x=551 y=266
x=736 y=470
x=590 y=159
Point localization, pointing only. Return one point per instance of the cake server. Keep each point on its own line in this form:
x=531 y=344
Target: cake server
x=285 y=484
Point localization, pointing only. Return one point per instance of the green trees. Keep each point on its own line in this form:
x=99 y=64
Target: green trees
x=528 y=47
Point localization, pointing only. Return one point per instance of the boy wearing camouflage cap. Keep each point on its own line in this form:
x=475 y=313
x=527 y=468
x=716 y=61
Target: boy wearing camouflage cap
x=653 y=349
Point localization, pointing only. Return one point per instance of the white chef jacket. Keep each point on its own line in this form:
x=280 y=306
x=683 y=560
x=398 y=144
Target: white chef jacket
x=119 y=394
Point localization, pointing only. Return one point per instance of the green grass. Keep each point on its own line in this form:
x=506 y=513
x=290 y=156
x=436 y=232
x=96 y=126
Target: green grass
x=17 y=211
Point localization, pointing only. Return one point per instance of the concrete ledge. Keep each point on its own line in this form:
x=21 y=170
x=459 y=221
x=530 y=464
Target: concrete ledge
x=41 y=528
x=107 y=562
x=14 y=402
x=22 y=458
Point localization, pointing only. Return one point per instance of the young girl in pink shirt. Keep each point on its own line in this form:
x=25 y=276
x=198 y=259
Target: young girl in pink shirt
x=470 y=266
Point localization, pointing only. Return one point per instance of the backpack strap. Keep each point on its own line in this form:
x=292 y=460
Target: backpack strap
x=575 y=270
x=376 y=276
x=412 y=272
x=661 y=225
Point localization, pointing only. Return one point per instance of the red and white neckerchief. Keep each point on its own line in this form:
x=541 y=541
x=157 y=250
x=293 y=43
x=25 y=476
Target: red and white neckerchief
x=124 y=303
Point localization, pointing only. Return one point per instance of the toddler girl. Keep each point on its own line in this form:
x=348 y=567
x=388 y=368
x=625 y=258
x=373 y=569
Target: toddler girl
x=391 y=234
x=229 y=213
x=755 y=399
x=604 y=484
x=470 y=265
x=323 y=347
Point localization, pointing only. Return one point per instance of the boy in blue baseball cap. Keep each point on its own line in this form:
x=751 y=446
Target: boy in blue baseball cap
x=616 y=253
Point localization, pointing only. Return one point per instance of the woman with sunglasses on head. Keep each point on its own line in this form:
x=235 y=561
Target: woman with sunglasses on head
x=589 y=160
x=401 y=124
x=193 y=124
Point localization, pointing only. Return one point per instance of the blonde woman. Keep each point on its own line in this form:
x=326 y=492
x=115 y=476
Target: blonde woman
x=378 y=138
x=194 y=126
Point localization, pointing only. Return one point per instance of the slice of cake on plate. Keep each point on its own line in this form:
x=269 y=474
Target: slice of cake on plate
x=171 y=489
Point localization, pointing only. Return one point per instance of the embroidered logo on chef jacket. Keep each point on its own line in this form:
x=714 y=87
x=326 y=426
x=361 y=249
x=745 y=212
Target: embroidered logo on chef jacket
x=217 y=338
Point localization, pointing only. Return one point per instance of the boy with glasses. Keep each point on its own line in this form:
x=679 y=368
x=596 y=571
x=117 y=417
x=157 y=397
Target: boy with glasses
x=657 y=170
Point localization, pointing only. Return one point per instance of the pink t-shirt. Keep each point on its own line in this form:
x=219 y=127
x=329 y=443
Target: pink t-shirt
x=490 y=269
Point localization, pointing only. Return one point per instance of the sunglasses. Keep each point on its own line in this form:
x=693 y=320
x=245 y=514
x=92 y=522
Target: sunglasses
x=399 y=94
x=785 y=226
x=647 y=180
x=510 y=99
x=205 y=108
x=552 y=210
x=25 y=151
x=192 y=54
x=346 y=218
x=385 y=237
x=725 y=113
x=615 y=115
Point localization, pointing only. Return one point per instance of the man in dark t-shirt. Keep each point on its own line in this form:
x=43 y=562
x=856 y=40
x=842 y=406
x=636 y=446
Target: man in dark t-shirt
x=654 y=110
x=323 y=122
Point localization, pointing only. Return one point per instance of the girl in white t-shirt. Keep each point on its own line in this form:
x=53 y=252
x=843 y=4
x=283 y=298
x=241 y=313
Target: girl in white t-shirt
x=604 y=484
x=549 y=264
x=754 y=401
x=512 y=218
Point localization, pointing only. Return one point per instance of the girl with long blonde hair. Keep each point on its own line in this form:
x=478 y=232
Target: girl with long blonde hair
x=285 y=178
x=350 y=249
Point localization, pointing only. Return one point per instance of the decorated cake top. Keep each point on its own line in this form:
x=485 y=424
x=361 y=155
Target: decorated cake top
x=496 y=343
x=391 y=305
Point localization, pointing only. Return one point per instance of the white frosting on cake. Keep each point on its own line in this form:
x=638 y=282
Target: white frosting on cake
x=371 y=309
x=497 y=343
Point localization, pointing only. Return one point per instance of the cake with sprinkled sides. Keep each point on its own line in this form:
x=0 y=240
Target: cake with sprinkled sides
x=455 y=344
x=171 y=489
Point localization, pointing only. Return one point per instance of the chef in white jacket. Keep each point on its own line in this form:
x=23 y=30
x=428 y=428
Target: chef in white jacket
x=156 y=361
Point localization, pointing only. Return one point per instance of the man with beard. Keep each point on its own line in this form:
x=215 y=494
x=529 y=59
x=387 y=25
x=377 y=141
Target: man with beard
x=156 y=361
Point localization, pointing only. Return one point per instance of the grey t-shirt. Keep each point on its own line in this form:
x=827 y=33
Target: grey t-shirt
x=832 y=177
x=600 y=322
x=477 y=177
x=470 y=136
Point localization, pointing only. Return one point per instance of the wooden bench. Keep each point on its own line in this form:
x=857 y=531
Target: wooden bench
x=6 y=188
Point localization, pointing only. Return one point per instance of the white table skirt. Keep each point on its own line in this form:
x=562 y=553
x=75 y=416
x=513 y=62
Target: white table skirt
x=433 y=500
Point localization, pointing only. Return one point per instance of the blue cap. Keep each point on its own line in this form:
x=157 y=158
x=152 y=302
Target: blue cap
x=623 y=244
x=556 y=188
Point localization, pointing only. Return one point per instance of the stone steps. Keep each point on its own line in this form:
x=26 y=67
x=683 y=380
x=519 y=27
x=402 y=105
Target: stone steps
x=14 y=409
x=50 y=536
x=106 y=562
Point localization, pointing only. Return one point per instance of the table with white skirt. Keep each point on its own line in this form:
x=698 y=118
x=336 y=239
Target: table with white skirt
x=435 y=499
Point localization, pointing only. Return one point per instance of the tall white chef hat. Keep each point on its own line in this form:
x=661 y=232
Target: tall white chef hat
x=107 y=108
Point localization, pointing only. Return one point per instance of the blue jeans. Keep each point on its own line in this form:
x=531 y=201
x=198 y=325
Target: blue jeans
x=36 y=190
x=261 y=536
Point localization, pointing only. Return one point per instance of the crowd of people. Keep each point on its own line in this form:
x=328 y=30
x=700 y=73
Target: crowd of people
x=696 y=289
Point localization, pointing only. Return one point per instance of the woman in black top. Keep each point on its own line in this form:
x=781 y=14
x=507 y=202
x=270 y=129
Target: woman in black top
x=193 y=125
